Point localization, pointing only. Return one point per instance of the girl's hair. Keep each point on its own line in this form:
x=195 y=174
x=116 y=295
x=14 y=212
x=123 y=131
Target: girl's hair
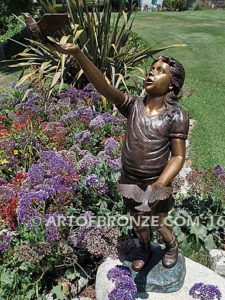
x=177 y=81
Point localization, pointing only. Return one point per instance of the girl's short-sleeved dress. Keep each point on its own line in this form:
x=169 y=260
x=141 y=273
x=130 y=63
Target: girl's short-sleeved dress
x=146 y=148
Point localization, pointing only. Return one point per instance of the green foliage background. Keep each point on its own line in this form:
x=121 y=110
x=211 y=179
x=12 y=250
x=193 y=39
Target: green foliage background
x=9 y=7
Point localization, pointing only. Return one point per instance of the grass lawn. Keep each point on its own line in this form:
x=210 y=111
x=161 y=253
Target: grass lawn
x=7 y=77
x=203 y=59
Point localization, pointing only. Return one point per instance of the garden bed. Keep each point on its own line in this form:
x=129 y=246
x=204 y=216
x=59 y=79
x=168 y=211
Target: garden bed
x=60 y=162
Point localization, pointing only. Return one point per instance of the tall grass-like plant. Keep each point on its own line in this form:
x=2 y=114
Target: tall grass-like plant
x=44 y=64
x=104 y=38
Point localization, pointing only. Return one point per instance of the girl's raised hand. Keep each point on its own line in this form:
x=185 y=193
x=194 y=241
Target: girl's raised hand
x=68 y=48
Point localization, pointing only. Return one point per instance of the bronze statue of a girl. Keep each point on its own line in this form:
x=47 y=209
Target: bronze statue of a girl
x=154 y=148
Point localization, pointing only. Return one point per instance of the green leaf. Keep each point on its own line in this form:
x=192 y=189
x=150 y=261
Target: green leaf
x=23 y=64
x=77 y=34
x=29 y=294
x=25 y=94
x=7 y=278
x=199 y=231
x=55 y=79
x=209 y=242
x=71 y=275
x=23 y=267
x=57 y=291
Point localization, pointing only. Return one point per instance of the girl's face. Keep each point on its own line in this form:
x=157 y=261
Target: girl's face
x=158 y=80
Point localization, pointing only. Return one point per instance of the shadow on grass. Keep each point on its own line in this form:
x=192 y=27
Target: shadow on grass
x=6 y=69
x=8 y=75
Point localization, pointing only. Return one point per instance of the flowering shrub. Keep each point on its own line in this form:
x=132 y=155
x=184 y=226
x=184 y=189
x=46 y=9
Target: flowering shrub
x=203 y=291
x=59 y=158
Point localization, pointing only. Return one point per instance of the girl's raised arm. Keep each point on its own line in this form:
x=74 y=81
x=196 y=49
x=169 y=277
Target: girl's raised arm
x=92 y=72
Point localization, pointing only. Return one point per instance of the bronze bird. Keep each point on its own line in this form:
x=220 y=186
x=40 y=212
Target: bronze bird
x=148 y=197
x=47 y=25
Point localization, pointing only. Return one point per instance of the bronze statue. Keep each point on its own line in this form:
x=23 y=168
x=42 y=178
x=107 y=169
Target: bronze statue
x=154 y=148
x=47 y=25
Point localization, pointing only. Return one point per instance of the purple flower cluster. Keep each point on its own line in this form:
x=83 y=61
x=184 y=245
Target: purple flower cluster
x=5 y=240
x=2 y=182
x=103 y=156
x=107 y=117
x=4 y=246
x=111 y=146
x=44 y=191
x=98 y=185
x=77 y=238
x=6 y=193
x=71 y=93
x=203 y=291
x=115 y=164
x=69 y=118
x=97 y=122
x=20 y=88
x=125 y=287
x=88 y=214
x=92 y=93
x=85 y=114
x=51 y=228
x=97 y=240
x=51 y=178
x=117 y=273
x=219 y=170
x=32 y=104
x=78 y=152
x=8 y=146
x=58 y=107
x=69 y=156
x=87 y=163
x=119 y=294
x=50 y=164
x=60 y=186
x=25 y=212
x=83 y=137
x=81 y=97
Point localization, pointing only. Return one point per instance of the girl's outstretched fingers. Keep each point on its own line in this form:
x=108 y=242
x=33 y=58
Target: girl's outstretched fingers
x=68 y=48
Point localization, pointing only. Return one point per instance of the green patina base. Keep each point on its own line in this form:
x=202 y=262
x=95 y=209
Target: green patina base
x=154 y=277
